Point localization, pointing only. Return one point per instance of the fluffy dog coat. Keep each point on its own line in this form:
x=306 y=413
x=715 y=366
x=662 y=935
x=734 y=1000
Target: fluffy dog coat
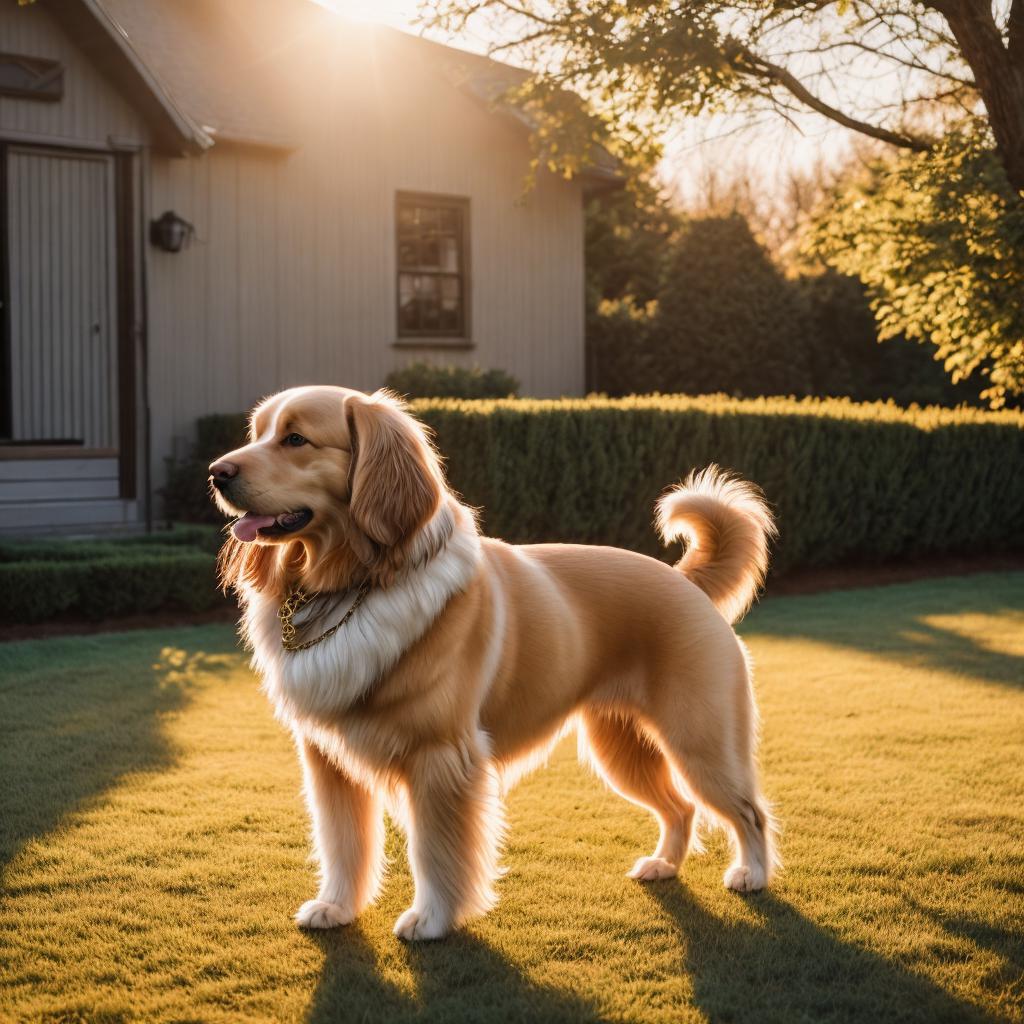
x=469 y=657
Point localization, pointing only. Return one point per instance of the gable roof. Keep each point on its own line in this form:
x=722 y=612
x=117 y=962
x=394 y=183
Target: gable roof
x=203 y=70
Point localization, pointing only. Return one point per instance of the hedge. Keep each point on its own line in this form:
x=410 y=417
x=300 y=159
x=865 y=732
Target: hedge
x=849 y=481
x=163 y=542
x=108 y=587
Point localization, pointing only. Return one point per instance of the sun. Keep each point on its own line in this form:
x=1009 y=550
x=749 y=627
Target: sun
x=391 y=12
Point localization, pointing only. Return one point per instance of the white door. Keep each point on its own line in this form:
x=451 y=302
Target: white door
x=62 y=297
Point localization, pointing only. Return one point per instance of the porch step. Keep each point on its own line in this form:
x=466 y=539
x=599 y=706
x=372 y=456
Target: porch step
x=32 y=518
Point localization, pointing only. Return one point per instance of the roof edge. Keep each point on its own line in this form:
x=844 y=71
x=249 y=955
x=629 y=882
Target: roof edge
x=179 y=131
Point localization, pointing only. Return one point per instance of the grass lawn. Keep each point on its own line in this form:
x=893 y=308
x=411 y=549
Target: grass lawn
x=153 y=844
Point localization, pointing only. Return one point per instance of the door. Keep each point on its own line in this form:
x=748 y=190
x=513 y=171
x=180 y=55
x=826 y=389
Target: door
x=62 y=298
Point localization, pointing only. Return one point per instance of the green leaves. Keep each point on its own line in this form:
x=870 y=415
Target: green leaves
x=938 y=238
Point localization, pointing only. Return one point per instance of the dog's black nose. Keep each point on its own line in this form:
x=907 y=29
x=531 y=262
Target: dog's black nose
x=222 y=472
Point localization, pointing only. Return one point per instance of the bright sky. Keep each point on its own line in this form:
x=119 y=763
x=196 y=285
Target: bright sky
x=392 y=12
x=772 y=146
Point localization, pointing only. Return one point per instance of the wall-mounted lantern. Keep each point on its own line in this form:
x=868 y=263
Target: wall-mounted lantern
x=170 y=232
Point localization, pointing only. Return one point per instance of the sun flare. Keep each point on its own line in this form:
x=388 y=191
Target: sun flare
x=392 y=12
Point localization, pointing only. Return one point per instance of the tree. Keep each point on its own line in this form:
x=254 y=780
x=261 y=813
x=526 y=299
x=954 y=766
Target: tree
x=942 y=81
x=640 y=62
x=938 y=238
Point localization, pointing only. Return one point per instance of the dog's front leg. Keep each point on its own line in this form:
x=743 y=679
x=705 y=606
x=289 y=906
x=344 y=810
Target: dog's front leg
x=348 y=839
x=456 y=822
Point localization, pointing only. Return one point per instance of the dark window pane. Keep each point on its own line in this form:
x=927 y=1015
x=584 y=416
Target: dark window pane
x=408 y=309
x=448 y=255
x=430 y=253
x=429 y=242
x=408 y=254
x=427 y=217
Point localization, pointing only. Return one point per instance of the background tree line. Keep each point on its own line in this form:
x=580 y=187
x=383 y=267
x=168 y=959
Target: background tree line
x=722 y=297
x=932 y=226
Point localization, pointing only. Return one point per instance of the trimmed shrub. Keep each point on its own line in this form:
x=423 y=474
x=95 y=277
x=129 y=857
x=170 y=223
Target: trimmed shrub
x=108 y=587
x=421 y=380
x=867 y=482
x=163 y=542
x=849 y=481
x=187 y=494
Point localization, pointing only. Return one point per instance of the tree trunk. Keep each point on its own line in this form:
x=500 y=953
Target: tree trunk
x=999 y=74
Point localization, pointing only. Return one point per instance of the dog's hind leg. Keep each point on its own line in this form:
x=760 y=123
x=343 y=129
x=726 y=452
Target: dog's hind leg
x=635 y=768
x=713 y=750
x=348 y=837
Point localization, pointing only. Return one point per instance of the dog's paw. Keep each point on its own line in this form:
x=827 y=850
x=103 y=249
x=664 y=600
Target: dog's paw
x=419 y=925
x=742 y=878
x=319 y=914
x=652 y=869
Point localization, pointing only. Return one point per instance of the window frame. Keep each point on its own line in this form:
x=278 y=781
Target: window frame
x=441 y=337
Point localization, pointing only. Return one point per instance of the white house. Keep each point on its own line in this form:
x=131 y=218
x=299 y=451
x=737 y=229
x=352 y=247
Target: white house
x=204 y=201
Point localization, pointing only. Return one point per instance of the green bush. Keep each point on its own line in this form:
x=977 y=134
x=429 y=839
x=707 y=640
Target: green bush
x=849 y=481
x=186 y=494
x=108 y=586
x=728 y=320
x=163 y=542
x=421 y=380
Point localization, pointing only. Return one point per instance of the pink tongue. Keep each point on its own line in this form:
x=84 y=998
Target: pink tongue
x=246 y=528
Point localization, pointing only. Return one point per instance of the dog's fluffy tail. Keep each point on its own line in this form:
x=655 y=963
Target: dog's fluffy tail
x=727 y=525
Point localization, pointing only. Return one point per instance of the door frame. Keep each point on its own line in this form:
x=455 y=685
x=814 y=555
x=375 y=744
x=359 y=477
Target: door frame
x=126 y=271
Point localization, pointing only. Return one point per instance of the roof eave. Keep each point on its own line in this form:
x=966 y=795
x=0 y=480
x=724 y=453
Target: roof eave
x=175 y=131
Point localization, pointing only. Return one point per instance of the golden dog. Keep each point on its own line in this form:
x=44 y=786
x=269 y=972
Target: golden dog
x=423 y=667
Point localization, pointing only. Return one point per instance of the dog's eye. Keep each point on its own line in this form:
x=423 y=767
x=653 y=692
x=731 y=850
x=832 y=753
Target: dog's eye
x=295 y=440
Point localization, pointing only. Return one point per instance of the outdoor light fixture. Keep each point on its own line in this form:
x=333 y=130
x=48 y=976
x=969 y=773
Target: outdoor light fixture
x=170 y=232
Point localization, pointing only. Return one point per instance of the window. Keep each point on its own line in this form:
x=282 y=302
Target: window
x=432 y=266
x=31 y=77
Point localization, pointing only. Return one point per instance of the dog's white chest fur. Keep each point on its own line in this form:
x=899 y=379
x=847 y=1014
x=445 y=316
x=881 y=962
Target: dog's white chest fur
x=323 y=681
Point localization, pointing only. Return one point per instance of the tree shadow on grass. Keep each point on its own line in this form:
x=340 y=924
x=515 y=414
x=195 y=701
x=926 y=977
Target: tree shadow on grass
x=76 y=715
x=893 y=622
x=460 y=980
x=784 y=967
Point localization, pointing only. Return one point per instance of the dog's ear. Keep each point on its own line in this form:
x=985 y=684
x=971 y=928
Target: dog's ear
x=395 y=481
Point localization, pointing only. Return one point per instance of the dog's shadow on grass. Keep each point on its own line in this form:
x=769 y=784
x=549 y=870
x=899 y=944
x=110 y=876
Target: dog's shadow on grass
x=897 y=622
x=782 y=966
x=774 y=965
x=461 y=979
x=76 y=716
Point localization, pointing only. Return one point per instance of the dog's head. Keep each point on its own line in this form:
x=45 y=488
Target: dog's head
x=331 y=482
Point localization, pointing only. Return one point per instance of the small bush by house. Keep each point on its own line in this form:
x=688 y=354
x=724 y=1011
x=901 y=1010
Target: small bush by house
x=421 y=380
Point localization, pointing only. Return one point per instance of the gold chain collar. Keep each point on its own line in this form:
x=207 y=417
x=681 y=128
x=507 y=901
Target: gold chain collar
x=298 y=598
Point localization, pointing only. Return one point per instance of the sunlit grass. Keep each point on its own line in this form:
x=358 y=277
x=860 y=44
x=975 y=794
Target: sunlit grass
x=153 y=844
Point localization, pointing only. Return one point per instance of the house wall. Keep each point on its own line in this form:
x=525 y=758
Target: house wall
x=92 y=113
x=292 y=276
x=65 y=490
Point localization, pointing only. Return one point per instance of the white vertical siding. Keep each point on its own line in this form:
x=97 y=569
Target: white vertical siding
x=292 y=277
x=91 y=111
x=60 y=225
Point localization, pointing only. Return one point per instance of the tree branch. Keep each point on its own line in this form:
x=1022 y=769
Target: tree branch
x=759 y=66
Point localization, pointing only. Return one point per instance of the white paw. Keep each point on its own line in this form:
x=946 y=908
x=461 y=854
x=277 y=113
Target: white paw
x=743 y=878
x=652 y=869
x=416 y=925
x=318 y=914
